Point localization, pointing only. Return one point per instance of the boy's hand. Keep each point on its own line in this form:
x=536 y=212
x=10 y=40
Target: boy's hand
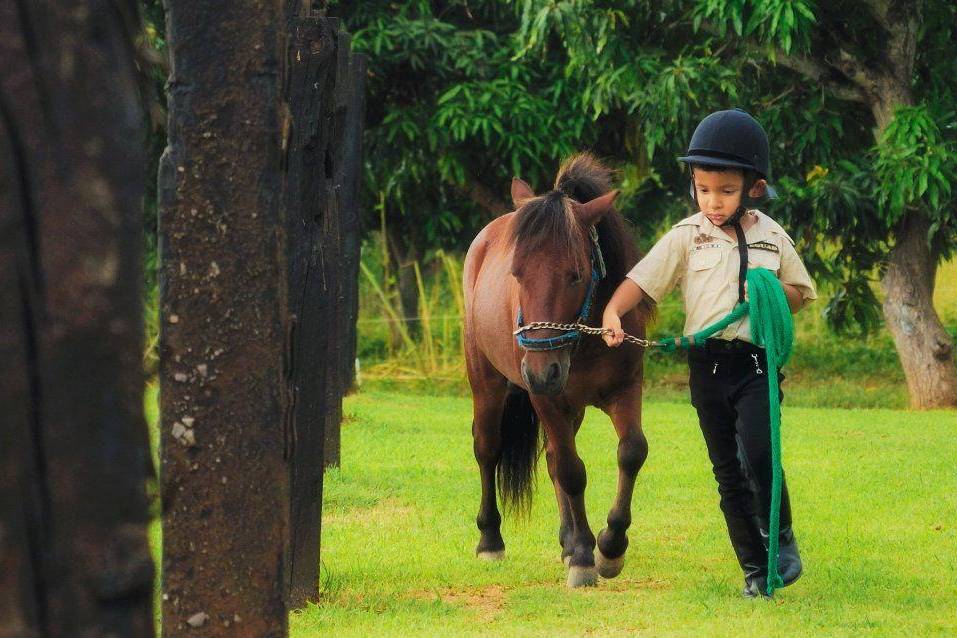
x=611 y=324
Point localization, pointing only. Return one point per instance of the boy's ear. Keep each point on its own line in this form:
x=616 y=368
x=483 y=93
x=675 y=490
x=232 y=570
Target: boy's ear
x=521 y=191
x=758 y=189
x=591 y=212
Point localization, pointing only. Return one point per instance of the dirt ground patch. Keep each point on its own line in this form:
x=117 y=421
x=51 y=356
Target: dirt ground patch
x=488 y=602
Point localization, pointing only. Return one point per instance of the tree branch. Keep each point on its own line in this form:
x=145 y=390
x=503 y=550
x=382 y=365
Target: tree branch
x=483 y=196
x=811 y=69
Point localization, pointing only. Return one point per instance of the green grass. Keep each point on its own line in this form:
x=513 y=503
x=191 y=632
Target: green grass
x=875 y=501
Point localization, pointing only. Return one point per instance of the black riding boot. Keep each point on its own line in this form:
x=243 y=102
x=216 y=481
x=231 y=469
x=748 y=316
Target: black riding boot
x=789 y=560
x=749 y=547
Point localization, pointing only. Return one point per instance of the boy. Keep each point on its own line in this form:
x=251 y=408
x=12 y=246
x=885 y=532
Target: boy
x=709 y=253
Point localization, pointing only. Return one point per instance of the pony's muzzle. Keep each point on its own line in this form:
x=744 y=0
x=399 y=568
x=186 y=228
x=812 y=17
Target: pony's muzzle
x=545 y=372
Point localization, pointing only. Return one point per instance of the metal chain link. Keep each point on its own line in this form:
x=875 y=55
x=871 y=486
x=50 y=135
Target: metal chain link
x=551 y=325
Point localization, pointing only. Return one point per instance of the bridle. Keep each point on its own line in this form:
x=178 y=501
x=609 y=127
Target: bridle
x=572 y=336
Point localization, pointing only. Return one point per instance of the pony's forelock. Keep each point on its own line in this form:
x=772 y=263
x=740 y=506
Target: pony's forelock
x=547 y=223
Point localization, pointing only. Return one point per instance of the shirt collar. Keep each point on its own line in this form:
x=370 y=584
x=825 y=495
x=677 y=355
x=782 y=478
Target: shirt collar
x=757 y=232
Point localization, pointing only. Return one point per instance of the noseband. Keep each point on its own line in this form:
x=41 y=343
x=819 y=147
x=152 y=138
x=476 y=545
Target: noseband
x=568 y=337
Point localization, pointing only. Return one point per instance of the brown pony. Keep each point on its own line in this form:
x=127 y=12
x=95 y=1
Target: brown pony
x=542 y=262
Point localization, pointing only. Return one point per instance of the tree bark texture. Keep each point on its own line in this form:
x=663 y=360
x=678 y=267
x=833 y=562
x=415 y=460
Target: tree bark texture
x=224 y=338
x=925 y=348
x=74 y=557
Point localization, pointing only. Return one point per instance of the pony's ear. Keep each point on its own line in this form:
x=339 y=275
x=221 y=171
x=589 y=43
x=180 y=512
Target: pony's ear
x=591 y=212
x=521 y=191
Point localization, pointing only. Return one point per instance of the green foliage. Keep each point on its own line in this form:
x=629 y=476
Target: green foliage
x=915 y=165
x=781 y=22
x=630 y=79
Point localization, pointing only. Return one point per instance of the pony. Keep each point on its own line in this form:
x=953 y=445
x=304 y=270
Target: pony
x=557 y=258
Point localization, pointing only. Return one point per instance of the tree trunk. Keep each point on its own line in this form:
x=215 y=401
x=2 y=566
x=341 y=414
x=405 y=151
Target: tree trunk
x=74 y=454
x=925 y=348
x=404 y=255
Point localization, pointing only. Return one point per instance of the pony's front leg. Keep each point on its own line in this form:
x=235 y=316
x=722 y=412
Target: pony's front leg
x=565 y=527
x=625 y=413
x=569 y=471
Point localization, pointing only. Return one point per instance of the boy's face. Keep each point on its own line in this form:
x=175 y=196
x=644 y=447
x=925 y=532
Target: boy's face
x=719 y=192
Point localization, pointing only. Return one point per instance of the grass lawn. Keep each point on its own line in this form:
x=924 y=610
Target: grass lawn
x=874 y=495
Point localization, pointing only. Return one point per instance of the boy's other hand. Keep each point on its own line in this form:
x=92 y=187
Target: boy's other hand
x=613 y=335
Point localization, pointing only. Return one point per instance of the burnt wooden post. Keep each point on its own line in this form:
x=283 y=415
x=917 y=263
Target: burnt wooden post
x=223 y=342
x=320 y=197
x=341 y=229
x=74 y=459
x=351 y=180
x=309 y=89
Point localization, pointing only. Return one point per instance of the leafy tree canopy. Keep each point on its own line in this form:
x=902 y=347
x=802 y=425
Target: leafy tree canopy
x=463 y=95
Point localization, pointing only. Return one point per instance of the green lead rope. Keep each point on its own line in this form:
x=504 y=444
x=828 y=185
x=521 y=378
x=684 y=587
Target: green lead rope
x=773 y=328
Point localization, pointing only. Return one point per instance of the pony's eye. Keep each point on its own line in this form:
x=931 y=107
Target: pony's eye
x=574 y=278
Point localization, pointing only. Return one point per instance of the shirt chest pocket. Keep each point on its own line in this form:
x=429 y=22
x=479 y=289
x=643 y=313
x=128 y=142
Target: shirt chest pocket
x=704 y=259
x=761 y=258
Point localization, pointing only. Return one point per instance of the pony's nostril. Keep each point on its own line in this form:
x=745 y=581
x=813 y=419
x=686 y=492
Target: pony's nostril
x=554 y=371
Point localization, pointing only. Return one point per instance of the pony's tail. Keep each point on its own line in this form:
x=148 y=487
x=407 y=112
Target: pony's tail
x=520 y=450
x=583 y=177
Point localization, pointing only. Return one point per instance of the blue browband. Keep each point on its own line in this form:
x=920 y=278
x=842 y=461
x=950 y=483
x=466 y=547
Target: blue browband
x=571 y=336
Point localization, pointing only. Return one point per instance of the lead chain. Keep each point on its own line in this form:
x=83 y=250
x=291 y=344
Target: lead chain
x=551 y=325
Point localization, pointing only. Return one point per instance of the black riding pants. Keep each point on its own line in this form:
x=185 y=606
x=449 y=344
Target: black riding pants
x=729 y=389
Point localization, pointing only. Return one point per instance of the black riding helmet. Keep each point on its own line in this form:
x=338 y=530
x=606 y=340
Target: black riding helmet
x=732 y=139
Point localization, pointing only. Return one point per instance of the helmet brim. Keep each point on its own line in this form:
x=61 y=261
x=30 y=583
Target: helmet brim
x=708 y=160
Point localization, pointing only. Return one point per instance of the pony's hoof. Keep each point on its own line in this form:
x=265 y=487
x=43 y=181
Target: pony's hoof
x=582 y=576
x=609 y=567
x=496 y=555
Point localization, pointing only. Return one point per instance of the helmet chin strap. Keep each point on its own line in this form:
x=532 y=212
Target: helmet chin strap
x=734 y=220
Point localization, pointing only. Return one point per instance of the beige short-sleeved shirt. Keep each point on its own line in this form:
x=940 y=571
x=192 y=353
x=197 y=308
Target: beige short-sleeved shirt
x=704 y=260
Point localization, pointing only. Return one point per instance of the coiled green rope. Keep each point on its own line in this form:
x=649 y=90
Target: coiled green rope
x=773 y=328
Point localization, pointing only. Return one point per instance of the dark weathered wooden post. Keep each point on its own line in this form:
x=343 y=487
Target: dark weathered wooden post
x=223 y=338
x=333 y=117
x=309 y=89
x=74 y=457
x=351 y=180
x=341 y=230
x=320 y=193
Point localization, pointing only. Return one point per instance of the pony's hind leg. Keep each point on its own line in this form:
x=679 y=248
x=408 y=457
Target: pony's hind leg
x=489 y=393
x=487 y=445
x=632 y=452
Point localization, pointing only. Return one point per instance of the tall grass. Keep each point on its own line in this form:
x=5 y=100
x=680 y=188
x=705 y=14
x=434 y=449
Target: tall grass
x=826 y=370
x=390 y=351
